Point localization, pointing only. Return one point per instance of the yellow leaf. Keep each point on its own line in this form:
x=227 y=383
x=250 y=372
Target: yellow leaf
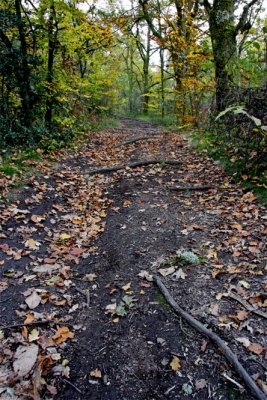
x=32 y=244
x=126 y=287
x=65 y=236
x=175 y=363
x=96 y=373
x=34 y=335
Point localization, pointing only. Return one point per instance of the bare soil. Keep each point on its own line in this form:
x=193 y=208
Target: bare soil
x=144 y=225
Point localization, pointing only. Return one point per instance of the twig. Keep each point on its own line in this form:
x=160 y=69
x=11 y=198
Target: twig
x=233 y=381
x=246 y=305
x=137 y=139
x=47 y=321
x=86 y=294
x=180 y=189
x=74 y=387
x=229 y=355
x=3 y=301
x=132 y=165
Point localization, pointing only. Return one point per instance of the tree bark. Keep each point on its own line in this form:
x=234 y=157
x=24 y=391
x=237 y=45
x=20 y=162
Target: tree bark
x=24 y=75
x=52 y=37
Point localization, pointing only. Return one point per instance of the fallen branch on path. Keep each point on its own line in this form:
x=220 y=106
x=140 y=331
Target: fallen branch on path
x=137 y=139
x=229 y=355
x=132 y=165
x=246 y=305
x=45 y=322
x=180 y=189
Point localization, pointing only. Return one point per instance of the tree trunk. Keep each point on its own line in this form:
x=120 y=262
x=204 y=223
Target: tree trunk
x=223 y=37
x=52 y=37
x=24 y=77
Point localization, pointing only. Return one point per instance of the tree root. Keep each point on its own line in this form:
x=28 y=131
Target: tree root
x=246 y=305
x=34 y=323
x=180 y=189
x=132 y=165
x=229 y=355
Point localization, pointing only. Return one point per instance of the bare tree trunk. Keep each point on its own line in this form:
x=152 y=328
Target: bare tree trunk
x=24 y=81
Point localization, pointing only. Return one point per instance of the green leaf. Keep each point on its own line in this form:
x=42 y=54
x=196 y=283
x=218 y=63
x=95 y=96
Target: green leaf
x=55 y=278
x=120 y=310
x=257 y=45
x=187 y=389
x=128 y=300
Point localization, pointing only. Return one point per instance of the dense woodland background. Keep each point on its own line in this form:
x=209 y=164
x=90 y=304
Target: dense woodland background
x=195 y=65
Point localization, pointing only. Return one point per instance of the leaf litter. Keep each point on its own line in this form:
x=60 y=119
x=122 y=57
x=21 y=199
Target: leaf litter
x=52 y=246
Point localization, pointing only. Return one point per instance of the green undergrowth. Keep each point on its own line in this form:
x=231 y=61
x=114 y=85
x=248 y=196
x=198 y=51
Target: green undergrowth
x=250 y=173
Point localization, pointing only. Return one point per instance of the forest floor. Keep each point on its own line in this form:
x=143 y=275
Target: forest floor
x=80 y=315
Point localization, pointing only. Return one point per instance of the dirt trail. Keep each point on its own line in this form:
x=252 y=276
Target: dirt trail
x=80 y=243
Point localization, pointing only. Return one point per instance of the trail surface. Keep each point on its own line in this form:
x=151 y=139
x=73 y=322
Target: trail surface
x=78 y=250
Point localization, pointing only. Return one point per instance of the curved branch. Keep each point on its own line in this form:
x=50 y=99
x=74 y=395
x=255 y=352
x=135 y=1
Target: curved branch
x=227 y=352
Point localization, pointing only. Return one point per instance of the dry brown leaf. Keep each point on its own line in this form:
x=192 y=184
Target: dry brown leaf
x=175 y=364
x=127 y=203
x=262 y=385
x=256 y=348
x=29 y=318
x=62 y=334
x=242 y=315
x=96 y=373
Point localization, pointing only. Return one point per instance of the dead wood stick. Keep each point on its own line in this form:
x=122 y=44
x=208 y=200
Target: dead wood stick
x=229 y=355
x=72 y=385
x=246 y=305
x=180 y=189
x=137 y=139
x=46 y=321
x=132 y=165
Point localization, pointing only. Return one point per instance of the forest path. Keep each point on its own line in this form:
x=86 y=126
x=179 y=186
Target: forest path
x=77 y=252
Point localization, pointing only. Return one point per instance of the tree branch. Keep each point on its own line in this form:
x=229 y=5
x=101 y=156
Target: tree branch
x=244 y=16
x=227 y=352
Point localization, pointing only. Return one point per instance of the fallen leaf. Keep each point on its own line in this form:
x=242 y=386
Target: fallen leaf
x=214 y=310
x=245 y=341
x=25 y=359
x=262 y=385
x=62 y=334
x=96 y=373
x=242 y=315
x=175 y=364
x=179 y=274
x=127 y=203
x=204 y=346
x=166 y=271
x=64 y=236
x=36 y=218
x=244 y=283
x=145 y=275
x=32 y=244
x=90 y=277
x=33 y=335
x=256 y=348
x=126 y=287
x=29 y=318
x=33 y=300
x=200 y=384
